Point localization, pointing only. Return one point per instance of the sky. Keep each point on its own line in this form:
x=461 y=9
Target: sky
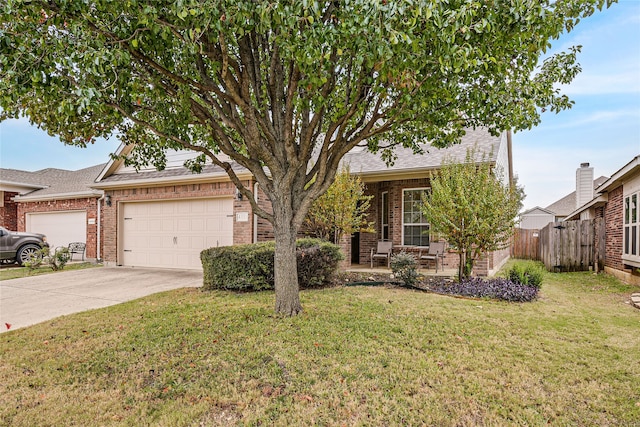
x=602 y=128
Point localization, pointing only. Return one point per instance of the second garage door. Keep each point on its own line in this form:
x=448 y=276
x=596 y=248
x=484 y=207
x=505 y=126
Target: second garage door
x=171 y=234
x=61 y=228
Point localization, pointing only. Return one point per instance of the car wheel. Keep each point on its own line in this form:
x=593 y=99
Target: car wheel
x=27 y=252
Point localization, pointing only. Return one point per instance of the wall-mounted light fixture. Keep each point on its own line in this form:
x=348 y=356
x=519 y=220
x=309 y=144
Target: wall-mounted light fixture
x=107 y=200
x=238 y=195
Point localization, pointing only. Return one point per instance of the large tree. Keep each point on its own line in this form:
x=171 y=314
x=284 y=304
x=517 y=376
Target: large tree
x=472 y=207
x=282 y=88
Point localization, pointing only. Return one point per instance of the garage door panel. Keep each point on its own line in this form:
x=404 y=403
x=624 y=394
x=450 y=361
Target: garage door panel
x=175 y=232
x=61 y=228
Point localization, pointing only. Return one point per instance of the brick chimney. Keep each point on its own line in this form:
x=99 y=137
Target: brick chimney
x=584 y=184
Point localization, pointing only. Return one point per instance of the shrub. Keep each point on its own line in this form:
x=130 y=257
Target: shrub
x=526 y=274
x=58 y=259
x=499 y=288
x=404 y=267
x=251 y=267
x=35 y=260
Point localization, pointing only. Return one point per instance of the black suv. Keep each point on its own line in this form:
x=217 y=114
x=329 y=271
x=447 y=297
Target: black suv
x=20 y=247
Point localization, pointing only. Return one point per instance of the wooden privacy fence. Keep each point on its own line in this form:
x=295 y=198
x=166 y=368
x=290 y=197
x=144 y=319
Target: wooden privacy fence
x=573 y=245
x=525 y=244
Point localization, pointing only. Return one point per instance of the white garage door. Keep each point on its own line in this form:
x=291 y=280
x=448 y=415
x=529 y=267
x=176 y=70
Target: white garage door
x=171 y=234
x=61 y=228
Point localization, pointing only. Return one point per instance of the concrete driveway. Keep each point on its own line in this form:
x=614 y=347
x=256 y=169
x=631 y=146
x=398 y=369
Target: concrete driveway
x=32 y=300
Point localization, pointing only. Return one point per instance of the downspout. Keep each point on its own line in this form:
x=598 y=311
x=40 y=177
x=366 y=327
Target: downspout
x=99 y=228
x=510 y=158
x=255 y=217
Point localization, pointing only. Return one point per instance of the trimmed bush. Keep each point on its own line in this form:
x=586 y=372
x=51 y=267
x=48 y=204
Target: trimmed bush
x=499 y=288
x=404 y=267
x=251 y=267
x=526 y=274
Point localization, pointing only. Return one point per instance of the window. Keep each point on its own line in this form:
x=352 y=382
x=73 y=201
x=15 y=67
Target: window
x=631 y=225
x=415 y=229
x=384 y=221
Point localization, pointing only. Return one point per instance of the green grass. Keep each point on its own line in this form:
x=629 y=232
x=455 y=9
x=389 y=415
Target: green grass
x=356 y=356
x=17 y=272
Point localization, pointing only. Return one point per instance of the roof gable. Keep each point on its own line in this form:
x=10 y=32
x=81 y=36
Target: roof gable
x=59 y=183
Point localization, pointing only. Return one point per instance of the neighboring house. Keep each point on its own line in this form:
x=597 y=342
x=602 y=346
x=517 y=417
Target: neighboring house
x=538 y=218
x=616 y=200
x=165 y=218
x=55 y=202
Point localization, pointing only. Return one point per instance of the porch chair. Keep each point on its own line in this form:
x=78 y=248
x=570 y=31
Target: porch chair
x=435 y=252
x=382 y=251
x=76 y=248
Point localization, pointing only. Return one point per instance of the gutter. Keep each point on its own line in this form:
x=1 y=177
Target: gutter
x=99 y=232
x=58 y=196
x=596 y=202
x=171 y=180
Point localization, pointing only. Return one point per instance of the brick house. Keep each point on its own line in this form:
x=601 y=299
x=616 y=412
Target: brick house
x=165 y=218
x=616 y=200
x=55 y=202
x=538 y=218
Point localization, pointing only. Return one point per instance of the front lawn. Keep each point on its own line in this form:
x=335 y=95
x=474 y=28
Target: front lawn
x=356 y=356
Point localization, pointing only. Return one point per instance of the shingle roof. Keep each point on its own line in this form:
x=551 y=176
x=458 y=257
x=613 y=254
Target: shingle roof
x=360 y=161
x=567 y=204
x=363 y=161
x=180 y=172
x=56 y=181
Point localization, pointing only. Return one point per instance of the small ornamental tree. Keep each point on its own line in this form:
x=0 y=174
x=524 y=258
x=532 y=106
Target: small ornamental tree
x=283 y=89
x=341 y=211
x=472 y=209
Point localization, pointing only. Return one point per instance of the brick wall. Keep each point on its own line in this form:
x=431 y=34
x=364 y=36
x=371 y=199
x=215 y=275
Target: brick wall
x=88 y=204
x=265 y=229
x=613 y=230
x=9 y=211
x=242 y=231
x=395 y=189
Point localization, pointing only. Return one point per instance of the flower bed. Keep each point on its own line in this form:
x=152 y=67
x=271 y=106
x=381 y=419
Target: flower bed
x=498 y=288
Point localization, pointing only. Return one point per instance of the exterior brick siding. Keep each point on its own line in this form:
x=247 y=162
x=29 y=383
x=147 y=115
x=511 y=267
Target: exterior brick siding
x=243 y=231
x=88 y=204
x=613 y=230
x=395 y=189
x=9 y=211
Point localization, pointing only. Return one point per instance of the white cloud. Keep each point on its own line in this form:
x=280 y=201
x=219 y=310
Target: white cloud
x=599 y=83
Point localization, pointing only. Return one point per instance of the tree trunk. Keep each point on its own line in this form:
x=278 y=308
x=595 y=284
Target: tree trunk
x=286 y=269
x=461 y=265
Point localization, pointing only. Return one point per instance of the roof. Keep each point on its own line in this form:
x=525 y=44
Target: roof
x=539 y=209
x=364 y=162
x=361 y=162
x=567 y=204
x=54 y=183
x=617 y=179
x=209 y=172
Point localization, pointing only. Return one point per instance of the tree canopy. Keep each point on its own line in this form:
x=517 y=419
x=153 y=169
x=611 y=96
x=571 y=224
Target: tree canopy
x=341 y=210
x=472 y=208
x=284 y=89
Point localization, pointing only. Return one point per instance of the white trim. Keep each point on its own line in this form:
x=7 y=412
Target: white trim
x=382 y=211
x=59 y=196
x=402 y=224
x=172 y=180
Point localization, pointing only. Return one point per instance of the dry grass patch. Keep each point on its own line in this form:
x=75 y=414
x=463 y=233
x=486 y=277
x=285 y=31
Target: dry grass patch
x=356 y=356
